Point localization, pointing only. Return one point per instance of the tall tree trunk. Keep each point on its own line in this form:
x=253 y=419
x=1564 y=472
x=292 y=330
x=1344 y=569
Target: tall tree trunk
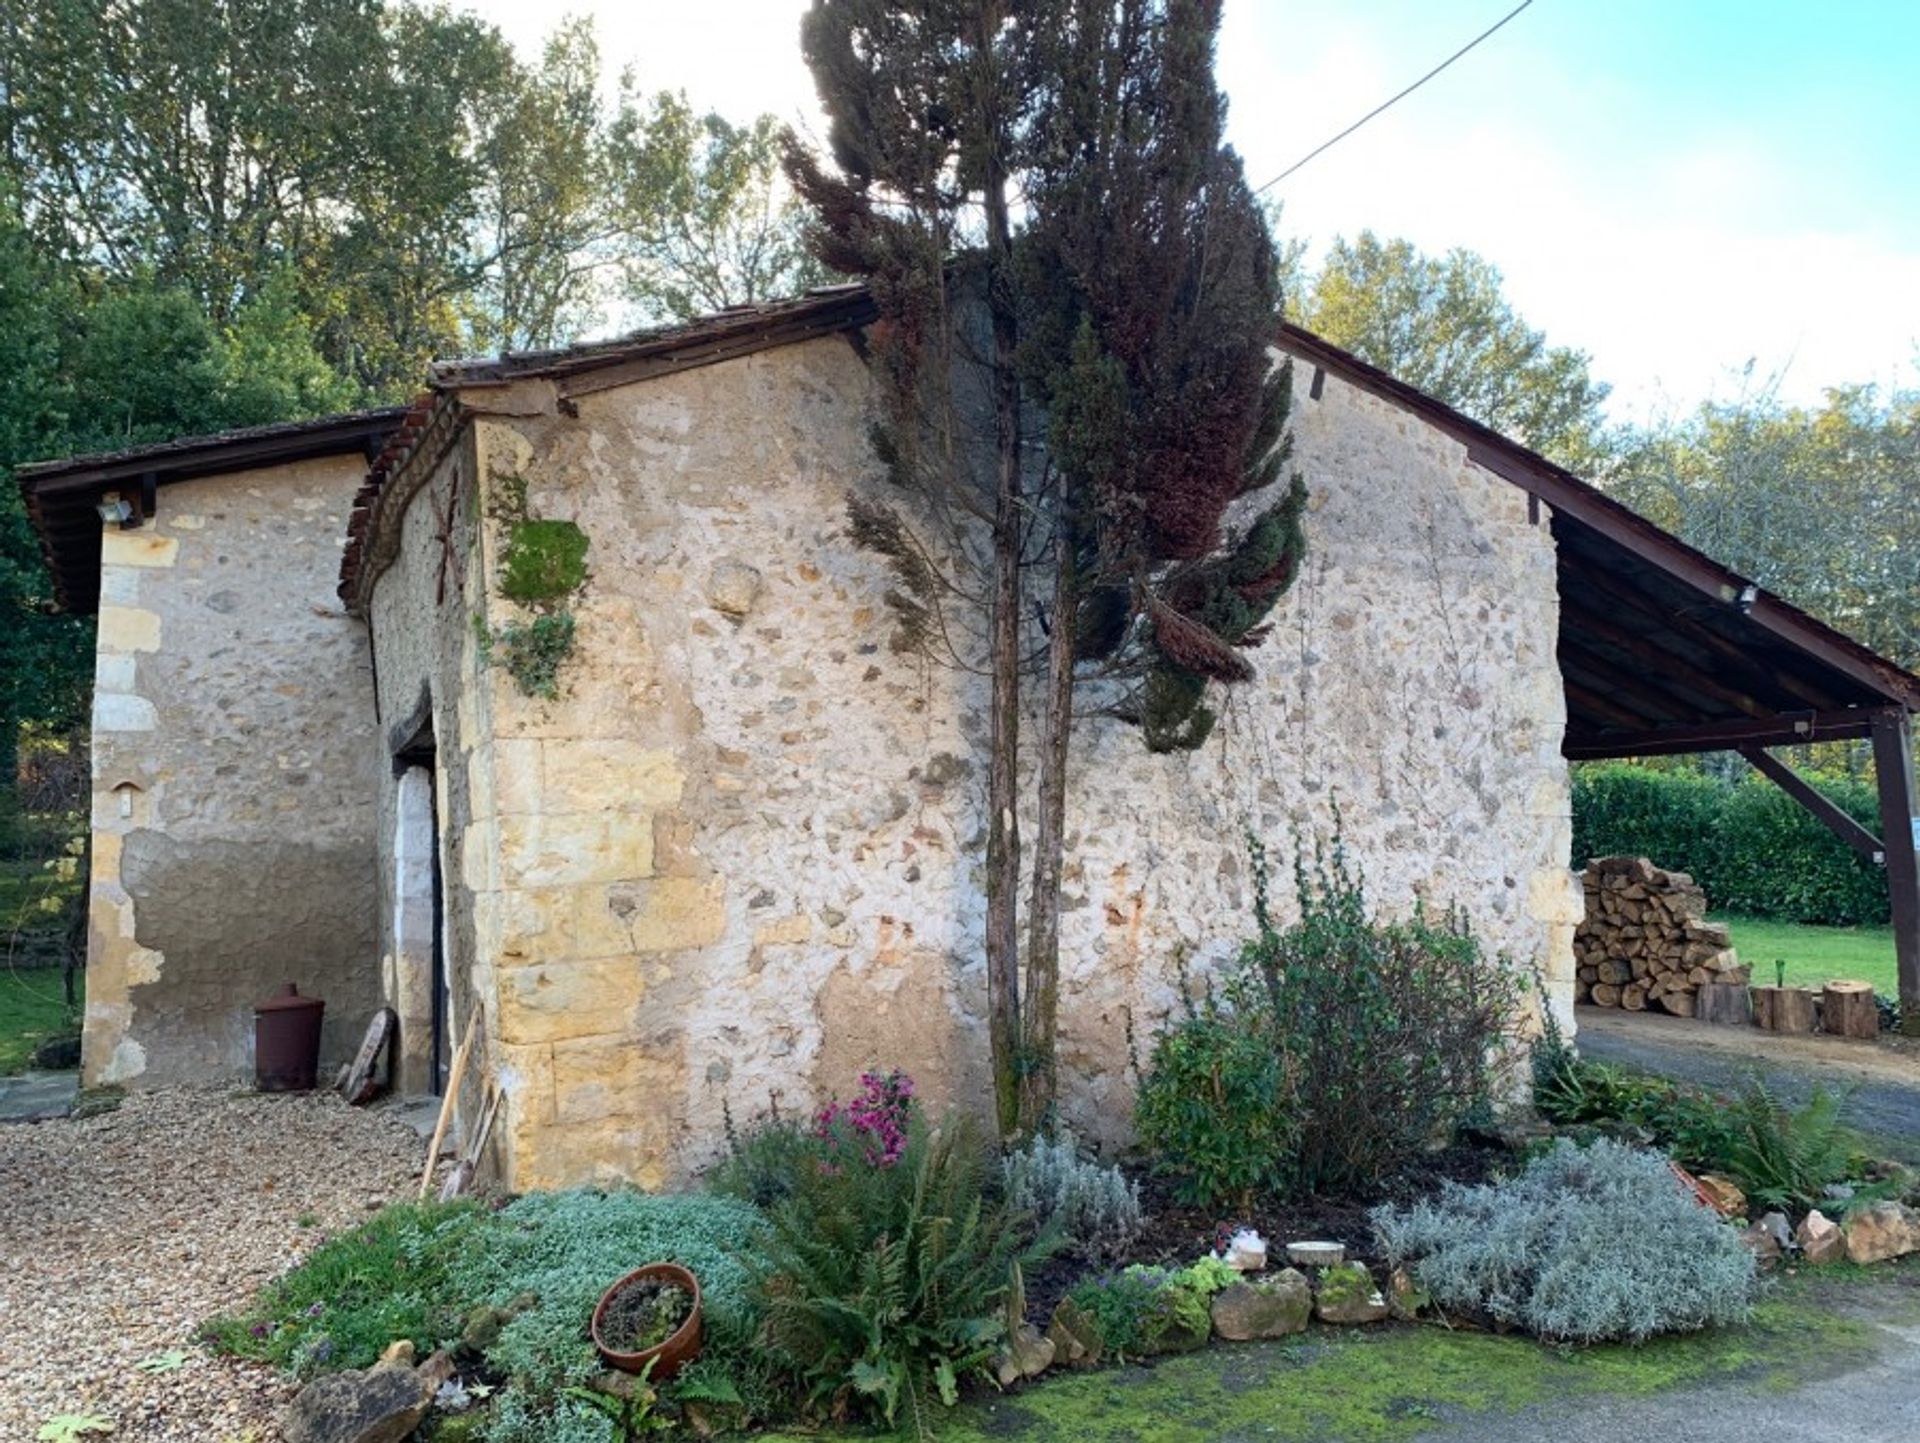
x=1042 y=999
x=1003 y=774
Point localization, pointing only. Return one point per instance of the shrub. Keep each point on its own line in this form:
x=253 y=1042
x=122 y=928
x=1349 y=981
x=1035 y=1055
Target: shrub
x=762 y=1166
x=392 y=1277
x=1748 y=844
x=1142 y=1310
x=1094 y=1209
x=1583 y=1246
x=564 y=1249
x=1212 y=1107
x=1780 y=1156
x=882 y=1281
x=1336 y=1051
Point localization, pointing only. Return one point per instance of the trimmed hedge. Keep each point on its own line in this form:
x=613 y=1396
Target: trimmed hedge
x=1752 y=847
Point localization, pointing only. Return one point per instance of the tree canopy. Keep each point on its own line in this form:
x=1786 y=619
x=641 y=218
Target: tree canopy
x=1444 y=324
x=220 y=213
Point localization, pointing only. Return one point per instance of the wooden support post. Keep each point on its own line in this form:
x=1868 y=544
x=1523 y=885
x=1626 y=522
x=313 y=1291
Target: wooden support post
x=1893 y=764
x=1802 y=791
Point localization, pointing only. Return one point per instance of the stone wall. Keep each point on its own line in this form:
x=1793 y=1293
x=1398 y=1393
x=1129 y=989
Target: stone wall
x=432 y=687
x=232 y=786
x=739 y=859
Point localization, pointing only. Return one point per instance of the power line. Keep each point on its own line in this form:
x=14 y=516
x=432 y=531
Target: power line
x=1385 y=104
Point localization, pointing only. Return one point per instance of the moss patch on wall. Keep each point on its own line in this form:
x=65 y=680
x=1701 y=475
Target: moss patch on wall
x=542 y=564
x=544 y=561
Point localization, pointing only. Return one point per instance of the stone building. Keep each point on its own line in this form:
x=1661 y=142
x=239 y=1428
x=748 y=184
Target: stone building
x=733 y=854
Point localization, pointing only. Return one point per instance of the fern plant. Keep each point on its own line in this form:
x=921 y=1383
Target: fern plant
x=882 y=1286
x=1784 y=1157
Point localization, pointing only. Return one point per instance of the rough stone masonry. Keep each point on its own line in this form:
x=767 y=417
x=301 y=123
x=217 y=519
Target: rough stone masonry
x=737 y=858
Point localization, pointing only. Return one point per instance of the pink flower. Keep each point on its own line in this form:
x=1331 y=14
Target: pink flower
x=876 y=1119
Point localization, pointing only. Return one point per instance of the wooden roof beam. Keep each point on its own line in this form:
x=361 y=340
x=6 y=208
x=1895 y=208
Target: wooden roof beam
x=1663 y=704
x=1802 y=791
x=1647 y=543
x=1786 y=729
x=1643 y=650
x=1704 y=636
x=1600 y=706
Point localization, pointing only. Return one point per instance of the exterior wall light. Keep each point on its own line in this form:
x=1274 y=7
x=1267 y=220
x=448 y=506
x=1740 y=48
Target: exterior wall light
x=114 y=508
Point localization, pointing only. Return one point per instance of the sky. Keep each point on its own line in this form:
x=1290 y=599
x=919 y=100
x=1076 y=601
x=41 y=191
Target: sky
x=1677 y=187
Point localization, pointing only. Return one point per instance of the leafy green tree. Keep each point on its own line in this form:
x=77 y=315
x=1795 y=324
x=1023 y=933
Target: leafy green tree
x=46 y=660
x=430 y=191
x=703 y=214
x=545 y=207
x=1444 y=324
x=1817 y=503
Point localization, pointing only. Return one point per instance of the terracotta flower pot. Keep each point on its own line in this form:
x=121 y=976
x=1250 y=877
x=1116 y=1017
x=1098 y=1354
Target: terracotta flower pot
x=680 y=1348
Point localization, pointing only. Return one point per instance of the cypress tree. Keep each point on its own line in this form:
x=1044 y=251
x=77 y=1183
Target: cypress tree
x=1135 y=313
x=928 y=107
x=1153 y=295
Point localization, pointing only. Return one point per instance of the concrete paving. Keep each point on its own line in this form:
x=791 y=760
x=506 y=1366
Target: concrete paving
x=37 y=1096
x=1875 y=1402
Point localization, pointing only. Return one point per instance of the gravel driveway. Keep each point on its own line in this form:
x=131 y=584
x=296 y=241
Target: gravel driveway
x=1883 y=1085
x=118 y=1235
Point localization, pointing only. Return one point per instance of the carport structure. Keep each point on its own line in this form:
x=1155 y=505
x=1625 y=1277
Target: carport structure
x=1664 y=651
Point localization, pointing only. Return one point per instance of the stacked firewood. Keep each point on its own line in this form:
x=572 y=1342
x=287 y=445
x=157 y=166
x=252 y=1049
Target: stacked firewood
x=1646 y=941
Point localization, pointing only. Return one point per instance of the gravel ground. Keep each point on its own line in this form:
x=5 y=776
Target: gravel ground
x=1883 y=1082
x=120 y=1234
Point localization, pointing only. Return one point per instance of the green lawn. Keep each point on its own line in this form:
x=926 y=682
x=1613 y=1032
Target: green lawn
x=1814 y=955
x=31 y=1010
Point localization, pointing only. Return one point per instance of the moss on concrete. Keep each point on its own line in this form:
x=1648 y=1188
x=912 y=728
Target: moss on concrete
x=1387 y=1384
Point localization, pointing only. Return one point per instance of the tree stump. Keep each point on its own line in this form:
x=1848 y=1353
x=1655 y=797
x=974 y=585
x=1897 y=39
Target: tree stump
x=1725 y=1004
x=1850 y=1011
x=1793 y=1010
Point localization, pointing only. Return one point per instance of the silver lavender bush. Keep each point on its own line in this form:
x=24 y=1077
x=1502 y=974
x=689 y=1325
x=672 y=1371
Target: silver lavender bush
x=1585 y=1245
x=1095 y=1209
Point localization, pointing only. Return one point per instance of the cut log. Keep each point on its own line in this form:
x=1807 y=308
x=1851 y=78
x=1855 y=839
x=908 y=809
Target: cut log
x=1680 y=1004
x=1725 y=1004
x=1850 y=1011
x=1605 y=994
x=1634 y=999
x=1793 y=1009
